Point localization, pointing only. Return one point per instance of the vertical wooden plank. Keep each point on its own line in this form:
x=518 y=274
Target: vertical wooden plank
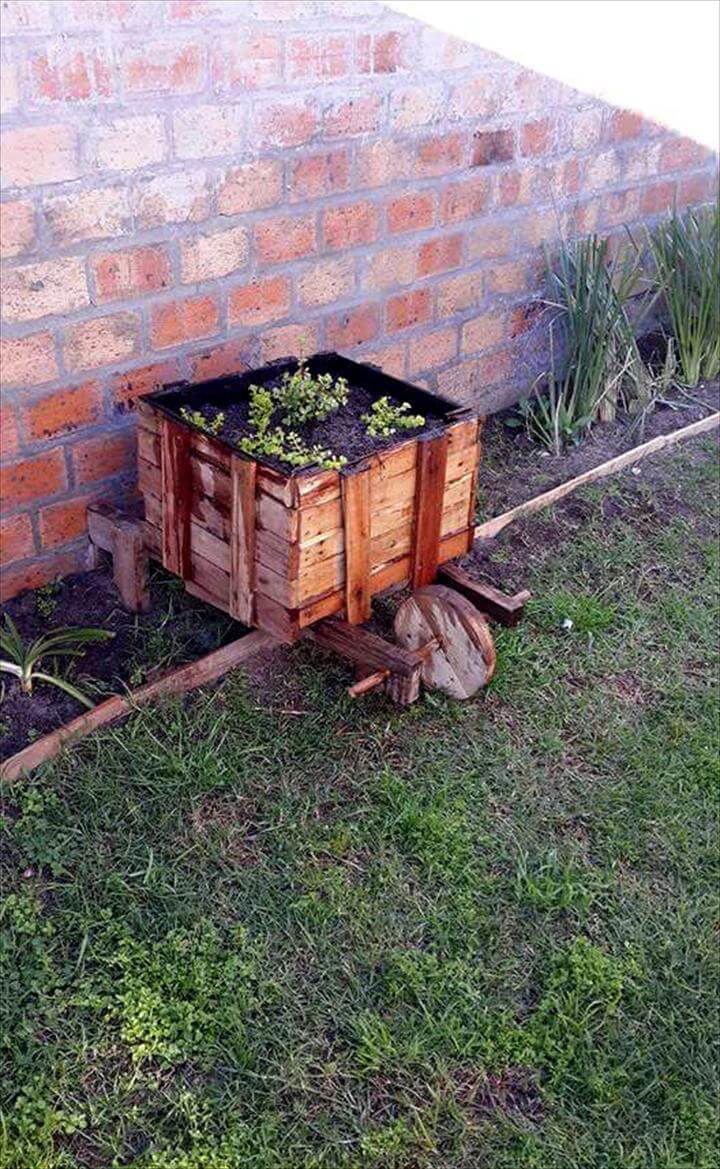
x=473 y=484
x=429 y=493
x=243 y=474
x=176 y=496
x=356 y=523
x=130 y=565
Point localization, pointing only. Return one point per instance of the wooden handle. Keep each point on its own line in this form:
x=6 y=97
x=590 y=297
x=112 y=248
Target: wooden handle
x=368 y=683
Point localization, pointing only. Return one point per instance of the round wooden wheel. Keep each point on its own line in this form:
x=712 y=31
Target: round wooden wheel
x=463 y=658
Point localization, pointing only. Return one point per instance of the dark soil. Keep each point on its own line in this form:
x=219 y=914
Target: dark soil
x=177 y=628
x=513 y=469
x=342 y=432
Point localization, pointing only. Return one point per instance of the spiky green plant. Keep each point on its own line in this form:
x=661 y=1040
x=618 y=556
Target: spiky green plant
x=685 y=253
x=24 y=661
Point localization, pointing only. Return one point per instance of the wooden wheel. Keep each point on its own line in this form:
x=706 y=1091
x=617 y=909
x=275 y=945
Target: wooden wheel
x=463 y=658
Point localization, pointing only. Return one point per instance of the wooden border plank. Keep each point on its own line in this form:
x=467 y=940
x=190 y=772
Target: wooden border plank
x=176 y=496
x=490 y=528
x=243 y=473
x=199 y=673
x=356 y=524
x=429 y=501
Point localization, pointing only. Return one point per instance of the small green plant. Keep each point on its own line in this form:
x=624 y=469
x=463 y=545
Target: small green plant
x=23 y=661
x=46 y=598
x=305 y=398
x=275 y=442
x=385 y=418
x=197 y=418
x=685 y=251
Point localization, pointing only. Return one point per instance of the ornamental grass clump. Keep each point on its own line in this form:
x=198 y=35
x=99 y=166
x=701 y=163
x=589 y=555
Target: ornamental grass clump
x=685 y=256
x=24 y=661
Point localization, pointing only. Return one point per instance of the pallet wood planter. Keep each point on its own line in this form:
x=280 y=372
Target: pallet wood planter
x=283 y=551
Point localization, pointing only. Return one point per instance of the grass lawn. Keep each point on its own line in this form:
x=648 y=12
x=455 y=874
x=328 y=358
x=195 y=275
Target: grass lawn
x=275 y=929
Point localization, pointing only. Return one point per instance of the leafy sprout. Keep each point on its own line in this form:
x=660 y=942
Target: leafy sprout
x=385 y=418
x=24 y=661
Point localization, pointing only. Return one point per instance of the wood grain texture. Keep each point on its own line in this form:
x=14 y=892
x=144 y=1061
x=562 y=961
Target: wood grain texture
x=462 y=658
x=176 y=496
x=356 y=524
x=429 y=498
x=508 y=610
x=243 y=474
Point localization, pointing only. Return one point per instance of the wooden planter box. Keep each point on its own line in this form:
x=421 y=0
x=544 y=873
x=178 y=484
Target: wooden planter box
x=280 y=551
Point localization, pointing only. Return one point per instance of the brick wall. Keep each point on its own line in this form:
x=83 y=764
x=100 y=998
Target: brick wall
x=190 y=186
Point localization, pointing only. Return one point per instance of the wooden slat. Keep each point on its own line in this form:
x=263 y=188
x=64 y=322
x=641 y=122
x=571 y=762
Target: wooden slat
x=243 y=473
x=506 y=609
x=356 y=523
x=360 y=645
x=429 y=496
x=176 y=497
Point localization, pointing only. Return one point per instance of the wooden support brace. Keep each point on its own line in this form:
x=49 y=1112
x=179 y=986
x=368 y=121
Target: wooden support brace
x=508 y=610
x=125 y=538
x=176 y=496
x=356 y=522
x=400 y=667
x=243 y=475
x=429 y=494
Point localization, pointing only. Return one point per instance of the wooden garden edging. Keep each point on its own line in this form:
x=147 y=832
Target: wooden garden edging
x=214 y=665
x=490 y=528
x=199 y=673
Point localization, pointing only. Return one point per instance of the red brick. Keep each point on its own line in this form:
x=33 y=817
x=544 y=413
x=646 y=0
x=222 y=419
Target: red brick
x=432 y=349
x=464 y=200
x=99 y=458
x=179 y=197
x=494 y=367
x=603 y=170
x=60 y=523
x=16 y=538
x=198 y=10
x=63 y=410
x=408 y=309
x=439 y=255
x=283 y=124
x=484 y=332
x=490 y=146
x=418 y=105
x=411 y=212
x=441 y=154
x=679 y=153
x=33 y=155
x=382 y=52
x=209 y=257
x=459 y=293
x=33 y=575
x=8 y=431
x=235 y=356
x=696 y=189
x=251 y=187
x=17 y=228
x=350 y=225
x=39 y=290
x=490 y=241
x=284 y=238
x=183 y=320
x=87 y=215
x=540 y=227
x=288 y=341
x=620 y=207
x=515 y=187
x=352 y=327
x=526 y=316
x=624 y=124
x=127 y=387
x=162 y=66
x=317 y=175
x=391 y=266
x=480 y=97
x=29 y=479
x=328 y=281
x=27 y=16
x=74 y=75
x=208 y=131
x=390 y=359
x=246 y=62
x=536 y=137
x=511 y=277
x=28 y=361
x=125 y=14
x=319 y=59
x=9 y=87
x=129 y=143
x=358 y=115
x=259 y=302
x=121 y=275
x=386 y=161
x=101 y=341
x=659 y=197
x=459 y=381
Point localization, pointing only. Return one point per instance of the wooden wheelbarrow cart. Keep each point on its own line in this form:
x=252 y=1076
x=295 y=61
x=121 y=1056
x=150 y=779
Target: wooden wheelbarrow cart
x=303 y=554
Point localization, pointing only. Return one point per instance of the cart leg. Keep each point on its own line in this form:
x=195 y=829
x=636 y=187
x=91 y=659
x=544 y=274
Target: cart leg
x=124 y=537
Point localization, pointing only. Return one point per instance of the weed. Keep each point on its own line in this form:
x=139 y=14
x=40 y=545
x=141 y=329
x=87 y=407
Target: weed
x=385 y=418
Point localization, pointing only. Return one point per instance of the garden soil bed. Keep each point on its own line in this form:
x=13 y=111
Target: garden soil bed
x=177 y=628
x=513 y=469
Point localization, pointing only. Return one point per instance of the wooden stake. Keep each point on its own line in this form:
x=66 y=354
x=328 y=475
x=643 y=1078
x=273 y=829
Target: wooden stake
x=356 y=522
x=243 y=473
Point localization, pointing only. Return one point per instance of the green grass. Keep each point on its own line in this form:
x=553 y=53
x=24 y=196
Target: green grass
x=346 y=937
